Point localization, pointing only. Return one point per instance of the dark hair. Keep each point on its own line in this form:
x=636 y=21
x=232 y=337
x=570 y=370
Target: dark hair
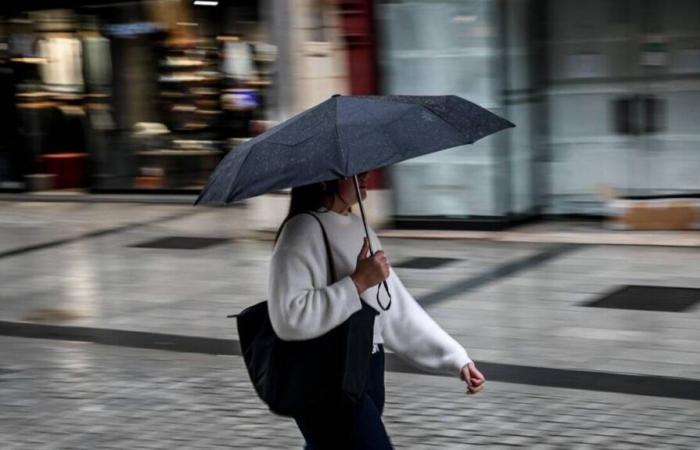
x=308 y=198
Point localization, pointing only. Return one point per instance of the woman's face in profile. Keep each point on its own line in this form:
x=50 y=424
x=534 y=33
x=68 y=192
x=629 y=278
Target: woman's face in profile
x=346 y=188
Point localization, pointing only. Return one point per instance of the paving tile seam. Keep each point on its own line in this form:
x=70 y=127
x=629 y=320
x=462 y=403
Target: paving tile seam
x=647 y=385
x=499 y=272
x=136 y=199
x=93 y=234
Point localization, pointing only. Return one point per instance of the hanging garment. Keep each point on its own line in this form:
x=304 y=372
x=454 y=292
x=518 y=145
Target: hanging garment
x=63 y=70
x=238 y=61
x=97 y=62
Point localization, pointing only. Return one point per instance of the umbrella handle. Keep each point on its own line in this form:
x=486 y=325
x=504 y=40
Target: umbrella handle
x=369 y=242
x=386 y=287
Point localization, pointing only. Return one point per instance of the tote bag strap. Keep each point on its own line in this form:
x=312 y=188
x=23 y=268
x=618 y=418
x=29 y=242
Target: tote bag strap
x=329 y=254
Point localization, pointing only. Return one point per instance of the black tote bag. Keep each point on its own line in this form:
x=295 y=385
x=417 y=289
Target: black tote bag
x=298 y=377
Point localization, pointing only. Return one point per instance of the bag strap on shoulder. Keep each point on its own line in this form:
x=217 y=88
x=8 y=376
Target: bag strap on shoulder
x=329 y=254
x=327 y=244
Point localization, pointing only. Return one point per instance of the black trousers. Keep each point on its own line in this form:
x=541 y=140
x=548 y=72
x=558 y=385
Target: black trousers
x=357 y=429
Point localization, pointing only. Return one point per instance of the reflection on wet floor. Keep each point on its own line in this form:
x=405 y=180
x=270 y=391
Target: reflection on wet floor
x=514 y=305
x=52 y=315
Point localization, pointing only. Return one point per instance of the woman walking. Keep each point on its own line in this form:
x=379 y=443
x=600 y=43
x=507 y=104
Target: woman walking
x=303 y=306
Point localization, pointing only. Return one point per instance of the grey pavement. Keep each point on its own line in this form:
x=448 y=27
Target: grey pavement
x=532 y=317
x=67 y=395
x=78 y=265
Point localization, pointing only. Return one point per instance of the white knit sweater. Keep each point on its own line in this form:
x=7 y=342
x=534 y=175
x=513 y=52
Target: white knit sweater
x=303 y=305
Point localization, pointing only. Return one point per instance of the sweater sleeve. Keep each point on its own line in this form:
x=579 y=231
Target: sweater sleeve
x=301 y=304
x=411 y=333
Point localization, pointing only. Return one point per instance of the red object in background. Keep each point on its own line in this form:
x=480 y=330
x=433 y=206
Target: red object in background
x=375 y=179
x=360 y=37
x=69 y=168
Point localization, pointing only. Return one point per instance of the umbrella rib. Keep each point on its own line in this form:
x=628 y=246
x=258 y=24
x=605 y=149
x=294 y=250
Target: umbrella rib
x=231 y=191
x=458 y=130
x=453 y=126
x=383 y=131
x=337 y=138
x=280 y=127
x=436 y=114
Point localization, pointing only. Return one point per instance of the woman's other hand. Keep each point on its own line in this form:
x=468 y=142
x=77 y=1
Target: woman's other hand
x=370 y=270
x=475 y=380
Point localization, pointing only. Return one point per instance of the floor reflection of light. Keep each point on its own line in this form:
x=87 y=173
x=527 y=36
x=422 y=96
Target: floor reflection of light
x=76 y=357
x=80 y=282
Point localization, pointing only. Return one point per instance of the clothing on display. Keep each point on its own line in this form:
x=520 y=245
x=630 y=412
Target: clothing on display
x=82 y=79
x=21 y=44
x=9 y=146
x=63 y=69
x=35 y=123
x=101 y=123
x=69 y=130
x=238 y=61
x=48 y=128
x=97 y=61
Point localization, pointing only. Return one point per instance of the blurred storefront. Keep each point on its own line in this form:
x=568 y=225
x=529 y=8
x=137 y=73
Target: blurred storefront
x=605 y=96
x=624 y=101
x=149 y=95
x=113 y=96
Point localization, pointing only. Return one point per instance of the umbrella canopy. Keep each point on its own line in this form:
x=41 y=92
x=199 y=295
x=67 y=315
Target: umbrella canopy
x=345 y=136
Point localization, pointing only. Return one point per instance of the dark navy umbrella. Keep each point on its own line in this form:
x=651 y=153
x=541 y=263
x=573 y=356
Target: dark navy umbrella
x=345 y=136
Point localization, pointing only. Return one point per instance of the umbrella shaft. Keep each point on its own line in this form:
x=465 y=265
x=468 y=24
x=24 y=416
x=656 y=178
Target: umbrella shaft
x=369 y=241
x=362 y=213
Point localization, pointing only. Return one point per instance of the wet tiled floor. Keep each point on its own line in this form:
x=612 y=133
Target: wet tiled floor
x=506 y=302
x=509 y=303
